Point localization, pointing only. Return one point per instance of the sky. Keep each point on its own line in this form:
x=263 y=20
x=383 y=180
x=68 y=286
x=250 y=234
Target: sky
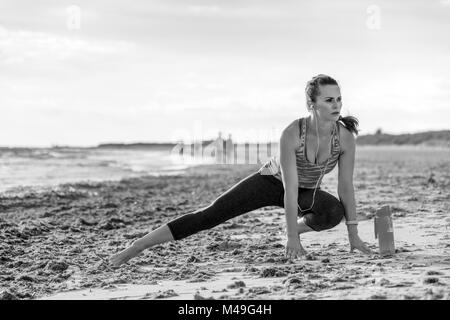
x=99 y=71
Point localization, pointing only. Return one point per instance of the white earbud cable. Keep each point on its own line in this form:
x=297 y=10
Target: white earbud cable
x=317 y=162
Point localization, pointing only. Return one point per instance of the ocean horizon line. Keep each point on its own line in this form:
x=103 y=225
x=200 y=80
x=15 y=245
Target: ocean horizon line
x=377 y=138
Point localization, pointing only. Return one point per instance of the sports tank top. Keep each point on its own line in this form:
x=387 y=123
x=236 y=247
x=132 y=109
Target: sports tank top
x=308 y=172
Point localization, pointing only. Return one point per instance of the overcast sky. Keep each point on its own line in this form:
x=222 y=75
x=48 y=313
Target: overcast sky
x=94 y=71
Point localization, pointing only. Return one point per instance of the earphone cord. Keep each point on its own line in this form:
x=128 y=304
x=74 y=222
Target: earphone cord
x=315 y=189
x=323 y=171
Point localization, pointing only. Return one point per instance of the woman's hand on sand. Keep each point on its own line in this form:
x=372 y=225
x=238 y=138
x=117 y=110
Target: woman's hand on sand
x=357 y=243
x=294 y=248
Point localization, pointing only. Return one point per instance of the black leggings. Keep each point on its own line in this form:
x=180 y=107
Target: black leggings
x=254 y=192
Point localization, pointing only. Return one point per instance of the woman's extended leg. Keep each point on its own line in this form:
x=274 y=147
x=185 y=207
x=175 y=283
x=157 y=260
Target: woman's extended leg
x=251 y=193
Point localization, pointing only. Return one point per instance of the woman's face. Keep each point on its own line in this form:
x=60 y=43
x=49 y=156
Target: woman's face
x=329 y=103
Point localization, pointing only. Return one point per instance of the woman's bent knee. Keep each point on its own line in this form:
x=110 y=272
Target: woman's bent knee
x=326 y=220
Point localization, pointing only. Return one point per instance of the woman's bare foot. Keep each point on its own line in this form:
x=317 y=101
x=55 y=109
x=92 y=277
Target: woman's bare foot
x=125 y=255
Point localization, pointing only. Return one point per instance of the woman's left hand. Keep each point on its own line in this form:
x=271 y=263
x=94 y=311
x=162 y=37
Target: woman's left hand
x=357 y=243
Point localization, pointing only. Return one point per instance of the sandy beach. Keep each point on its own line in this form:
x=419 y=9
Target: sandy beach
x=55 y=242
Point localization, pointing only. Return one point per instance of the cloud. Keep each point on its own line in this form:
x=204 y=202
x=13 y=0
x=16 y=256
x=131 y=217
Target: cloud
x=445 y=3
x=18 y=46
x=221 y=9
x=204 y=10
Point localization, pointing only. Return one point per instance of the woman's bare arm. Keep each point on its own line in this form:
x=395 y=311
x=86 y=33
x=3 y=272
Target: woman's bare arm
x=288 y=168
x=346 y=165
x=346 y=190
x=290 y=179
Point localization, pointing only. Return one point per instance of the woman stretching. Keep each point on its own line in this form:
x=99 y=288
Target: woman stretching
x=309 y=148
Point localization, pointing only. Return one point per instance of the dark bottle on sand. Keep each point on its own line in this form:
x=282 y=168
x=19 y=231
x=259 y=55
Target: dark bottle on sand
x=384 y=231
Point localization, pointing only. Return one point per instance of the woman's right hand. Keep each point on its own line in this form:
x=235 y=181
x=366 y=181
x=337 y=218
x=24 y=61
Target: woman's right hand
x=294 y=248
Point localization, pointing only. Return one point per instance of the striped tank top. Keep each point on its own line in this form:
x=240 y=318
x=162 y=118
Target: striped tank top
x=308 y=173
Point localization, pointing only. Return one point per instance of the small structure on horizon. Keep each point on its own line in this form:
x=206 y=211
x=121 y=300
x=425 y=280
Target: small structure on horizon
x=229 y=150
x=220 y=149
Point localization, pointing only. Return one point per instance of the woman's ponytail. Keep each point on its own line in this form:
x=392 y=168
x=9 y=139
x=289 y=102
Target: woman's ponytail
x=351 y=123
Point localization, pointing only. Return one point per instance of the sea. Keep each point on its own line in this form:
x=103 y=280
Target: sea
x=24 y=169
x=29 y=169
x=36 y=167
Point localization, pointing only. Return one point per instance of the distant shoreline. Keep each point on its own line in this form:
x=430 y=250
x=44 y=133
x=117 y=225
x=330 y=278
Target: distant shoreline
x=444 y=144
x=423 y=139
x=429 y=138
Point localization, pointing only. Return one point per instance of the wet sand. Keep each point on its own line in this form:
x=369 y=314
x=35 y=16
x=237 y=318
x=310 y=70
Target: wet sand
x=53 y=242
